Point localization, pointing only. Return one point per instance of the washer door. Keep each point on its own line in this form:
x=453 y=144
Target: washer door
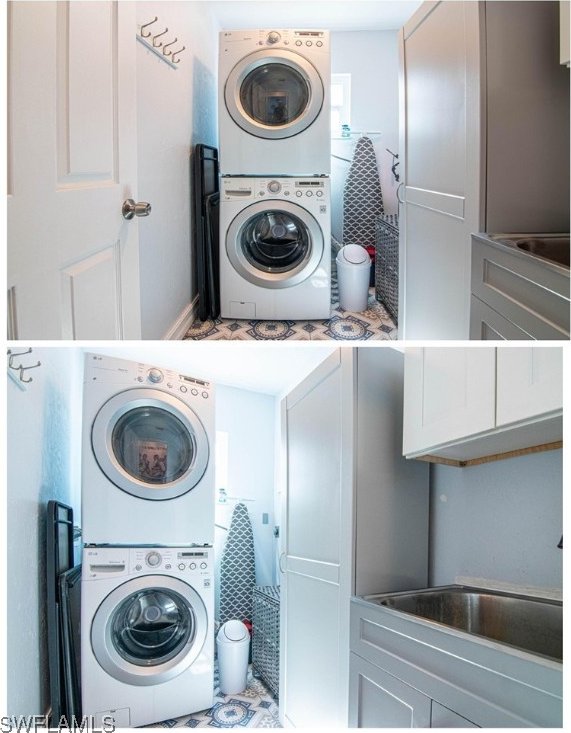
x=274 y=94
x=275 y=244
x=149 y=630
x=150 y=444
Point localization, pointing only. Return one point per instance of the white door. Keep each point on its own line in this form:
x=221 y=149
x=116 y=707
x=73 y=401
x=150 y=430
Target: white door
x=530 y=383
x=73 y=260
x=440 y=147
x=449 y=394
x=316 y=547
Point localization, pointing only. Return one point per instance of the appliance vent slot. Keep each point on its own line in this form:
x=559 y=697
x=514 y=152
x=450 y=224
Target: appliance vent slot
x=107 y=568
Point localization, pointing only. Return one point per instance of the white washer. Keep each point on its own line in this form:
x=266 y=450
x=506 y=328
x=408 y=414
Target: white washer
x=148 y=455
x=147 y=633
x=275 y=259
x=274 y=102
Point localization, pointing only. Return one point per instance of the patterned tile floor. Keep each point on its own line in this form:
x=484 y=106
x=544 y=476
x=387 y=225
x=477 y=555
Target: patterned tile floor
x=253 y=708
x=374 y=323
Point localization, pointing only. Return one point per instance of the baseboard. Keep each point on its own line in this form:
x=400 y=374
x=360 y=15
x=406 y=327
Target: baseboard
x=183 y=322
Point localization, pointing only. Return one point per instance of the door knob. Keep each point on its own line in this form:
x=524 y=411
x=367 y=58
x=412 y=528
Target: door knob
x=282 y=557
x=131 y=209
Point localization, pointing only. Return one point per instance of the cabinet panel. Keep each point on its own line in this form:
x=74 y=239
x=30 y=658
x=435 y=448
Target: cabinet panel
x=529 y=383
x=449 y=395
x=442 y=717
x=379 y=700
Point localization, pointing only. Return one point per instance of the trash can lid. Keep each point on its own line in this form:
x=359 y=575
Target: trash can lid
x=233 y=631
x=354 y=253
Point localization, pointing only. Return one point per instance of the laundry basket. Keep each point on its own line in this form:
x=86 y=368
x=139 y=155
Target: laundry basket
x=266 y=635
x=387 y=263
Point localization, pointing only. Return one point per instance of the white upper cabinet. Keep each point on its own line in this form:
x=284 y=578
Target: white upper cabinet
x=528 y=383
x=468 y=404
x=449 y=395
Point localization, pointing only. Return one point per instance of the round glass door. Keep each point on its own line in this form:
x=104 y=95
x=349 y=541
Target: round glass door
x=149 y=630
x=150 y=444
x=274 y=94
x=276 y=247
x=152 y=626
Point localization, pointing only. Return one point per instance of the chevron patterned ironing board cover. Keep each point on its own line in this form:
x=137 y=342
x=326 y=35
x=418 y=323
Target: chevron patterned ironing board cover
x=237 y=568
x=362 y=196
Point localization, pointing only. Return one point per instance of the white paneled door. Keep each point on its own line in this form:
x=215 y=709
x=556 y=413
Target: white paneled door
x=316 y=547
x=73 y=260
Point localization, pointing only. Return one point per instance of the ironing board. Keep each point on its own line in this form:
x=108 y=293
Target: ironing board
x=237 y=568
x=362 y=197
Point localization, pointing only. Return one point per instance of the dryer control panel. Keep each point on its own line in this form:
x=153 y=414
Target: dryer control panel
x=99 y=368
x=278 y=38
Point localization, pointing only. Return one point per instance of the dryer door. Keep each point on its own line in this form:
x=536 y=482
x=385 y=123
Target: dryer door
x=149 y=630
x=150 y=444
x=275 y=244
x=274 y=94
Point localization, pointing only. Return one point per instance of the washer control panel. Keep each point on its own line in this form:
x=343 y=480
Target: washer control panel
x=105 y=562
x=306 y=191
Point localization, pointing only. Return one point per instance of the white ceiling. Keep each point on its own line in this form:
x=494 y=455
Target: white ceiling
x=270 y=368
x=351 y=15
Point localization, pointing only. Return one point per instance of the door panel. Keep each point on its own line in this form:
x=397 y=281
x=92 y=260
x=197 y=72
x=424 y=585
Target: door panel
x=440 y=147
x=73 y=261
x=316 y=564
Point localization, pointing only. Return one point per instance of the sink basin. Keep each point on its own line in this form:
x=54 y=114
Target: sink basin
x=551 y=247
x=531 y=624
x=555 y=249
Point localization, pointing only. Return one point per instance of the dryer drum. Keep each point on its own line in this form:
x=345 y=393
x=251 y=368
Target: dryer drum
x=275 y=241
x=274 y=94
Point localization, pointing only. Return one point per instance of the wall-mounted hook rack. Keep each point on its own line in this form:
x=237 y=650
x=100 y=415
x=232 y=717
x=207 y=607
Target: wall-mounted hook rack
x=395 y=164
x=16 y=371
x=159 y=47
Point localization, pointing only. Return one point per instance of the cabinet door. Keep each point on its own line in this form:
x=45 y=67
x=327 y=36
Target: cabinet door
x=379 y=700
x=529 y=383
x=440 y=148
x=317 y=430
x=449 y=394
x=442 y=717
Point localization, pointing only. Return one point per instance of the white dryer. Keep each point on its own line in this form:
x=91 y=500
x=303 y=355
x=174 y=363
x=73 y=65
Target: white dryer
x=147 y=456
x=275 y=259
x=274 y=102
x=147 y=634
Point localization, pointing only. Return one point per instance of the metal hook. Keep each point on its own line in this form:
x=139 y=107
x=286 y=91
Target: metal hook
x=160 y=43
x=146 y=35
x=23 y=369
x=12 y=356
x=174 y=53
x=168 y=53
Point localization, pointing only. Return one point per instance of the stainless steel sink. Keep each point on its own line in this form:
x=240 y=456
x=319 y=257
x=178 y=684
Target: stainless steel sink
x=551 y=247
x=532 y=624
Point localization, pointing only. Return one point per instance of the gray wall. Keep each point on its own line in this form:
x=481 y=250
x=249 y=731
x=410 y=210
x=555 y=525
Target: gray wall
x=499 y=522
x=43 y=449
x=175 y=110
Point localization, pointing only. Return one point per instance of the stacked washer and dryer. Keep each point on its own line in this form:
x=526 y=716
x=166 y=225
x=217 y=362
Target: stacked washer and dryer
x=274 y=124
x=147 y=616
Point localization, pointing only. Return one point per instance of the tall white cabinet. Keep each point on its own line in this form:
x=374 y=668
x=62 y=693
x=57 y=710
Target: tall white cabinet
x=484 y=114
x=355 y=521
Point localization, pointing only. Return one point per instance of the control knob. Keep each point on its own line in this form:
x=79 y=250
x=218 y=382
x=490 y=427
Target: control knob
x=155 y=376
x=153 y=559
x=274 y=187
x=273 y=37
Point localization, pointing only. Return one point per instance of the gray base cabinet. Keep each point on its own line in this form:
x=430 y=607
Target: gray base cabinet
x=409 y=673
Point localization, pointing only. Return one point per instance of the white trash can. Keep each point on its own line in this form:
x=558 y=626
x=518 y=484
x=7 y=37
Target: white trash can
x=233 y=647
x=353 y=271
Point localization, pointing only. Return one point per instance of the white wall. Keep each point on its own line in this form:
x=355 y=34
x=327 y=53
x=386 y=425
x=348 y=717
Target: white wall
x=249 y=420
x=43 y=449
x=371 y=57
x=499 y=522
x=176 y=110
